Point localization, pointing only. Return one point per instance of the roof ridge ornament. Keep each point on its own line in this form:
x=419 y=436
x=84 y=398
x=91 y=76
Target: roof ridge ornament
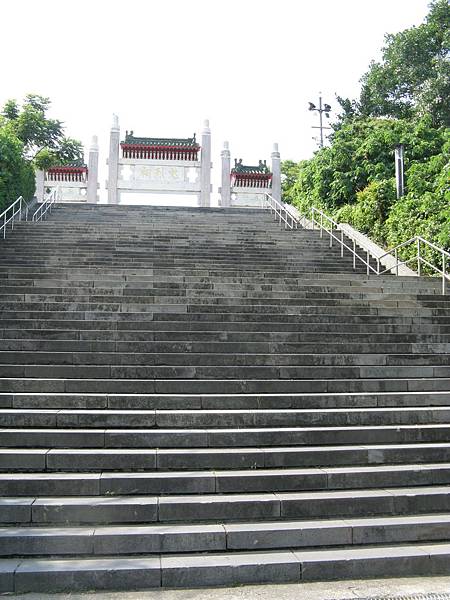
x=130 y=138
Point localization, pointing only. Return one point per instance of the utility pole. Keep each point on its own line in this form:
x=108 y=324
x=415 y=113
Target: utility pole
x=399 y=170
x=323 y=108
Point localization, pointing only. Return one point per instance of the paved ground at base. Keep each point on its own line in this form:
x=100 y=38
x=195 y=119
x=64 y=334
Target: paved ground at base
x=420 y=588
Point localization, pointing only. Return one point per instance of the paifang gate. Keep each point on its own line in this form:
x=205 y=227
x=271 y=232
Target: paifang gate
x=159 y=165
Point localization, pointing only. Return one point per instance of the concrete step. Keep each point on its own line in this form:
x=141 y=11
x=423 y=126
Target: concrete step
x=235 y=355
x=222 y=401
x=233 y=373
x=192 y=570
x=237 y=437
x=222 y=481
x=125 y=459
x=226 y=508
x=63 y=384
x=220 y=418
x=122 y=540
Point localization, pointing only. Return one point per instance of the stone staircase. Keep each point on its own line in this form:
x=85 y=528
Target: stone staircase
x=195 y=397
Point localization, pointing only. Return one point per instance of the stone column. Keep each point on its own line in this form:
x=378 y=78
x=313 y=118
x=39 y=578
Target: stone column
x=226 y=177
x=205 y=175
x=92 y=183
x=276 y=173
x=113 y=162
x=39 y=178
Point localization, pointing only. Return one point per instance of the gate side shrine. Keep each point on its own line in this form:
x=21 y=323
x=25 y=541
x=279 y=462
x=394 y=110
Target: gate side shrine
x=76 y=181
x=246 y=185
x=159 y=165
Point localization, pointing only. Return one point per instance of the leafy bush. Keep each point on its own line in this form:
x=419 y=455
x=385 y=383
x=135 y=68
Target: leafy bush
x=16 y=174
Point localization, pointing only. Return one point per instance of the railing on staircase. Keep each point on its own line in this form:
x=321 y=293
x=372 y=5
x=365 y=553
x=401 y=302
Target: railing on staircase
x=46 y=206
x=9 y=215
x=419 y=243
x=281 y=213
x=326 y=224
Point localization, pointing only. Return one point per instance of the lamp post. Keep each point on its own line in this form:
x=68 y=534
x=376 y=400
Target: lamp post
x=399 y=170
x=323 y=108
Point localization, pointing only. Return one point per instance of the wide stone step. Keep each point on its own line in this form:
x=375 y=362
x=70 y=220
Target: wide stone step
x=221 y=418
x=238 y=355
x=68 y=349
x=68 y=460
x=222 y=481
x=195 y=279
x=43 y=384
x=227 y=569
x=222 y=437
x=222 y=401
x=233 y=372
x=263 y=506
x=270 y=535
x=263 y=330
x=222 y=305
x=222 y=331
x=179 y=313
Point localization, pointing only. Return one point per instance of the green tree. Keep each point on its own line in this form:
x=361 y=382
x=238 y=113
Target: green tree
x=404 y=99
x=16 y=174
x=29 y=139
x=43 y=138
x=413 y=77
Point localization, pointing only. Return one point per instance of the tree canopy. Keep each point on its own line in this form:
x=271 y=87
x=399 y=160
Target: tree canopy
x=413 y=77
x=42 y=137
x=404 y=99
x=29 y=139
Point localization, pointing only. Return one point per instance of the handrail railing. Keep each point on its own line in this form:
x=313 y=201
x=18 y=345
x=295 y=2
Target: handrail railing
x=328 y=225
x=281 y=213
x=15 y=209
x=419 y=259
x=352 y=249
x=46 y=206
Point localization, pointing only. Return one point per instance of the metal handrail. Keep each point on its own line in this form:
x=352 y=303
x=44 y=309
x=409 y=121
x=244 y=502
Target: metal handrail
x=11 y=219
x=281 y=213
x=46 y=206
x=340 y=239
x=418 y=241
x=327 y=224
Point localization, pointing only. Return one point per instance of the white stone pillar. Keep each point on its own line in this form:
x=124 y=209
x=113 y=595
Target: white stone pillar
x=276 y=174
x=39 y=178
x=92 y=182
x=113 y=162
x=225 y=191
x=205 y=175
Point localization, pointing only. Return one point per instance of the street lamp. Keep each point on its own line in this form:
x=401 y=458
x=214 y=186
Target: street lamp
x=323 y=108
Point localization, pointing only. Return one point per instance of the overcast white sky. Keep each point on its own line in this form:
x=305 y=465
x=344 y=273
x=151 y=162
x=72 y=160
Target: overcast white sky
x=250 y=66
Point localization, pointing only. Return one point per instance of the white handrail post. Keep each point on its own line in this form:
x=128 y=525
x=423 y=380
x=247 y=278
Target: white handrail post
x=368 y=267
x=396 y=261
x=354 y=254
x=419 y=269
x=342 y=244
x=378 y=266
x=321 y=225
x=4 y=225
